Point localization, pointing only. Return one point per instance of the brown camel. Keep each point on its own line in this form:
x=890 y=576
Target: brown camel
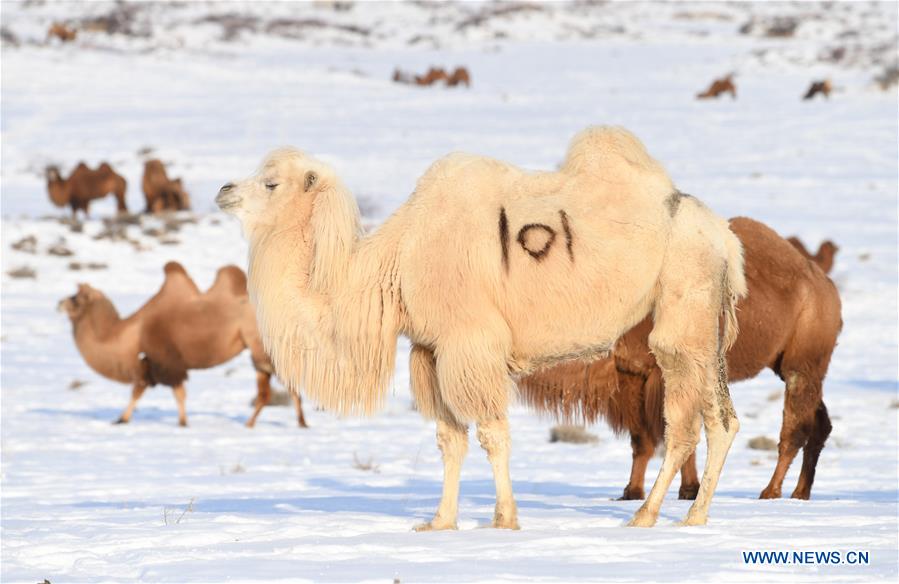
x=84 y=185
x=822 y=87
x=162 y=193
x=719 y=86
x=459 y=77
x=433 y=75
x=111 y=345
x=824 y=257
x=204 y=331
x=789 y=323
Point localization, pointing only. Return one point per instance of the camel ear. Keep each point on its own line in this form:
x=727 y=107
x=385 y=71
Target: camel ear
x=310 y=180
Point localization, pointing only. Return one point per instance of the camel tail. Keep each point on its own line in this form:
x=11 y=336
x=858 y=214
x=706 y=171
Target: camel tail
x=734 y=287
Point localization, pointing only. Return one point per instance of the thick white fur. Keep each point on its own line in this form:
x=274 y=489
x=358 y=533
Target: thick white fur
x=331 y=303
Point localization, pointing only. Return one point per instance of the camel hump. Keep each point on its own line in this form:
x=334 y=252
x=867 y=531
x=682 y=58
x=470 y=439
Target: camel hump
x=602 y=148
x=230 y=279
x=105 y=168
x=173 y=267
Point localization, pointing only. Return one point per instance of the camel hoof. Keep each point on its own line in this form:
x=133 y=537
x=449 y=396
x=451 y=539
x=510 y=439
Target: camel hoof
x=120 y=421
x=688 y=493
x=183 y=423
x=694 y=520
x=500 y=523
x=801 y=495
x=434 y=525
x=304 y=425
x=642 y=518
x=770 y=493
x=632 y=495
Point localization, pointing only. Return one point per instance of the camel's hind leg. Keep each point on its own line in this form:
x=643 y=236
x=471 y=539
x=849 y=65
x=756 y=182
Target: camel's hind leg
x=642 y=450
x=298 y=405
x=689 y=480
x=811 y=452
x=688 y=347
x=721 y=426
x=263 y=395
x=801 y=400
x=181 y=397
x=136 y=392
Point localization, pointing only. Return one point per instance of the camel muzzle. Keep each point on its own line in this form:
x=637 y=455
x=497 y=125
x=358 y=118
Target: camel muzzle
x=227 y=198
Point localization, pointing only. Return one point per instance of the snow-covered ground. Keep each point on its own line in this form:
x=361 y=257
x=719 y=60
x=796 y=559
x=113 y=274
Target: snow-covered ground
x=84 y=501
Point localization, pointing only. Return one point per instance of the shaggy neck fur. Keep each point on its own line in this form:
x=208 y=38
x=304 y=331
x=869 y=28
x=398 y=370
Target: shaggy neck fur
x=329 y=317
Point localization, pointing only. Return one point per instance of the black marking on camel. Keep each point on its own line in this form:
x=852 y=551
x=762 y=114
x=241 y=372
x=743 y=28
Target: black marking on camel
x=537 y=254
x=673 y=201
x=566 y=229
x=504 y=236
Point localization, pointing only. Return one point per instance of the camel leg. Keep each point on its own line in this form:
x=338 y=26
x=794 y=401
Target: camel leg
x=689 y=480
x=721 y=427
x=494 y=438
x=263 y=395
x=798 y=420
x=136 y=392
x=180 y=397
x=811 y=452
x=298 y=404
x=642 y=450
x=452 y=439
x=682 y=425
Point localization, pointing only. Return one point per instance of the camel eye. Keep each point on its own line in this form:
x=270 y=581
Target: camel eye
x=271 y=186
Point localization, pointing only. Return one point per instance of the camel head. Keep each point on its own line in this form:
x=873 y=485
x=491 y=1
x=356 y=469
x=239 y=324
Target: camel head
x=288 y=188
x=52 y=174
x=78 y=305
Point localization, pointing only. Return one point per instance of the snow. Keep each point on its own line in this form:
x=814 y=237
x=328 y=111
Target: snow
x=87 y=501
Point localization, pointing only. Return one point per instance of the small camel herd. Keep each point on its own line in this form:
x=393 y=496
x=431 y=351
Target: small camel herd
x=85 y=184
x=598 y=291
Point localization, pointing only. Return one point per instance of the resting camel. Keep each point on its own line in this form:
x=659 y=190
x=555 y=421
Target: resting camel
x=824 y=256
x=84 y=185
x=789 y=323
x=111 y=345
x=162 y=193
x=493 y=272
x=718 y=87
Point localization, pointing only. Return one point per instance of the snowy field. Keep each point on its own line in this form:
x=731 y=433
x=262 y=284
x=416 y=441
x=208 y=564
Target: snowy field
x=212 y=87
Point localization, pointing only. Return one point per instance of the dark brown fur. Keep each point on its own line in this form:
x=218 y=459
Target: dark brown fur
x=789 y=323
x=84 y=185
x=162 y=193
x=719 y=86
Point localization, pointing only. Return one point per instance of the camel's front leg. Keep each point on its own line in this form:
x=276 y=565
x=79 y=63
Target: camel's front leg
x=494 y=438
x=452 y=439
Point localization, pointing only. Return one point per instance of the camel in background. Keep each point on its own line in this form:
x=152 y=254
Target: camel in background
x=85 y=185
x=111 y=345
x=789 y=323
x=162 y=193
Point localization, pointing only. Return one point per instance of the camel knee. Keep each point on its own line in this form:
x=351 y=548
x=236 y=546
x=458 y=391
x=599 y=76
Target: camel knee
x=452 y=439
x=494 y=437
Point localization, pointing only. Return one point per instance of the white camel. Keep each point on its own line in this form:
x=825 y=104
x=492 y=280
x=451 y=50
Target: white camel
x=493 y=272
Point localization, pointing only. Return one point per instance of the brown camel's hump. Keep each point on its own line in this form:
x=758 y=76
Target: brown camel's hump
x=229 y=280
x=177 y=278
